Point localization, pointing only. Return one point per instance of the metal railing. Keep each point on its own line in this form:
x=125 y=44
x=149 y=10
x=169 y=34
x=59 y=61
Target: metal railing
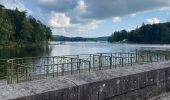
x=26 y=69
x=32 y=68
x=3 y=68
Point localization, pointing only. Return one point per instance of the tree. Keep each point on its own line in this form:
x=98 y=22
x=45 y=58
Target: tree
x=156 y=33
x=6 y=29
x=17 y=27
x=26 y=31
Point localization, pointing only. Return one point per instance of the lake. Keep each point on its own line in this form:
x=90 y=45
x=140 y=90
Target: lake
x=73 y=48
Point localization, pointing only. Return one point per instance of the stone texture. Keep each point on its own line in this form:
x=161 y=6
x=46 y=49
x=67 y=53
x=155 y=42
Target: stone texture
x=137 y=82
x=35 y=88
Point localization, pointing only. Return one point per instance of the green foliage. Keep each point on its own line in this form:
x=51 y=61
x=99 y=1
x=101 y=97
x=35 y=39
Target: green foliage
x=16 y=27
x=63 y=38
x=156 y=33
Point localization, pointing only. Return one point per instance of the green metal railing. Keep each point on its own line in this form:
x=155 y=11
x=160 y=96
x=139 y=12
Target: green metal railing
x=26 y=69
x=3 y=68
x=33 y=68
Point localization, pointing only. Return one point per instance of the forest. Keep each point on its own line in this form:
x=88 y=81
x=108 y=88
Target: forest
x=18 y=28
x=149 y=33
x=64 y=38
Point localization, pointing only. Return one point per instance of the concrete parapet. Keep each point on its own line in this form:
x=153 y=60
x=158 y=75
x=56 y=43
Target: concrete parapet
x=125 y=83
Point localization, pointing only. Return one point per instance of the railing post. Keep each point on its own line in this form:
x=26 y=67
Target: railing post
x=93 y=62
x=71 y=66
x=57 y=69
x=12 y=72
x=79 y=61
x=17 y=72
x=128 y=58
x=26 y=73
x=136 y=56
x=47 y=67
x=139 y=57
x=157 y=57
x=151 y=58
x=147 y=57
x=111 y=61
x=77 y=64
x=53 y=67
x=63 y=69
x=131 y=60
x=122 y=61
x=90 y=61
x=9 y=72
x=89 y=66
x=100 y=61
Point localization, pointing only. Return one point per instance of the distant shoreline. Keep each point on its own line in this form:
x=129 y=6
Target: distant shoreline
x=12 y=45
x=136 y=43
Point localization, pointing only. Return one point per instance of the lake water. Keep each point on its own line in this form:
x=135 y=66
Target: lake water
x=73 y=48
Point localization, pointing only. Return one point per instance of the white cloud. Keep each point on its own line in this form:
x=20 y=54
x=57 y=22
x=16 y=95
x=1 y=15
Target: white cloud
x=77 y=28
x=152 y=21
x=81 y=16
x=59 y=20
x=81 y=5
x=116 y=19
x=61 y=24
x=46 y=1
x=133 y=15
x=91 y=25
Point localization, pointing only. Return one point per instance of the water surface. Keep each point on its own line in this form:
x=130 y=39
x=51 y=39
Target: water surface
x=73 y=48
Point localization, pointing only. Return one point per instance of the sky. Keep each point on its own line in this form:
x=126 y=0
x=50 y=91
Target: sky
x=93 y=18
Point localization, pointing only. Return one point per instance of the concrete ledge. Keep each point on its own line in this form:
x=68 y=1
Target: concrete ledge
x=33 y=88
x=136 y=81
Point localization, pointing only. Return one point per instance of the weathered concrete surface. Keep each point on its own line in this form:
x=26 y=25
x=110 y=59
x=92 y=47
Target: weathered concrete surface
x=40 y=89
x=164 y=96
x=125 y=83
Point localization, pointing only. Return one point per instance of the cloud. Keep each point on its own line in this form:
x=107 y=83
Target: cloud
x=133 y=15
x=71 y=21
x=56 y=5
x=46 y=1
x=75 y=14
x=61 y=24
x=117 y=19
x=77 y=28
x=93 y=24
x=81 y=16
x=81 y=5
x=59 y=20
x=101 y=9
x=152 y=21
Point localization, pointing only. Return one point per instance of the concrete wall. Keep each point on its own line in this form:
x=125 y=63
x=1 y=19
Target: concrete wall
x=126 y=83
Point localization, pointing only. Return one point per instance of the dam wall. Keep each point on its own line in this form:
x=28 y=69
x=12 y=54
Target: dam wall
x=138 y=82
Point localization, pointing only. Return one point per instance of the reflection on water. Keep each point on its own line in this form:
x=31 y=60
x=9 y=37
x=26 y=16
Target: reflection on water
x=72 y=48
x=19 y=52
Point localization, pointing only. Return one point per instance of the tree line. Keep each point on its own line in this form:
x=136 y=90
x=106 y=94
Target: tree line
x=17 y=27
x=155 y=33
x=63 y=38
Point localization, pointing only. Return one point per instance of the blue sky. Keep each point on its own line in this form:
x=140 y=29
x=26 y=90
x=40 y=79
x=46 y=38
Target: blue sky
x=93 y=18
